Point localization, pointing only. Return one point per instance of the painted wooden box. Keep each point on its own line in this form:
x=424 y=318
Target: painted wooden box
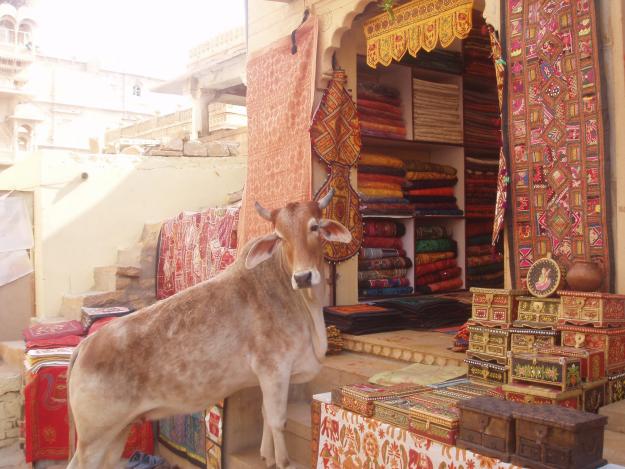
x=528 y=340
x=592 y=361
x=560 y=372
x=611 y=341
x=489 y=344
x=436 y=397
x=487 y=427
x=360 y=398
x=434 y=421
x=616 y=387
x=594 y=395
x=476 y=389
x=494 y=307
x=531 y=394
x=558 y=438
x=538 y=313
x=486 y=372
x=592 y=309
x=393 y=411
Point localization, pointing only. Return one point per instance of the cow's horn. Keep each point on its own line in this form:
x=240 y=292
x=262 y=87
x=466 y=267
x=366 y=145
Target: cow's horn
x=262 y=211
x=323 y=203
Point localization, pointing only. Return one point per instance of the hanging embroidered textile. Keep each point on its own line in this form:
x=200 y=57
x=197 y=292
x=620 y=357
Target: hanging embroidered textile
x=335 y=137
x=280 y=95
x=416 y=25
x=503 y=179
x=555 y=135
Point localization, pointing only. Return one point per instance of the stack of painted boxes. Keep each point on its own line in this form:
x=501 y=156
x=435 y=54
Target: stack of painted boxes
x=490 y=334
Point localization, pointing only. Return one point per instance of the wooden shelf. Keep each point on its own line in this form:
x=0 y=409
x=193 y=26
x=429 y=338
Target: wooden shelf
x=406 y=144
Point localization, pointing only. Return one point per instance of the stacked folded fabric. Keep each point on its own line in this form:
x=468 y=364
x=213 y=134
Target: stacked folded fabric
x=429 y=312
x=485 y=264
x=436 y=267
x=335 y=340
x=363 y=319
x=382 y=264
x=379 y=111
x=436 y=111
x=479 y=70
x=440 y=60
x=480 y=186
x=430 y=188
x=482 y=121
x=380 y=182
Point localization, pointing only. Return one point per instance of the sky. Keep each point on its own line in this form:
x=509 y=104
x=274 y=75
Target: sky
x=147 y=37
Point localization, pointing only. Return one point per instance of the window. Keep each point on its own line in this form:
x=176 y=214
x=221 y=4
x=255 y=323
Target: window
x=24 y=35
x=7 y=30
x=136 y=89
x=24 y=136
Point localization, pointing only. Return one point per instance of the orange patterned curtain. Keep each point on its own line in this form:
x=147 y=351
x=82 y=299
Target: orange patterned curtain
x=416 y=25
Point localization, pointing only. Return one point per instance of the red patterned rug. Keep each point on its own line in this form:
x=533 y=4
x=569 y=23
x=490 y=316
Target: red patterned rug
x=555 y=135
x=279 y=105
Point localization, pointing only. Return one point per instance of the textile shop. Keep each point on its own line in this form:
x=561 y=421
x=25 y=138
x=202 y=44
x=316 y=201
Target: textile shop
x=469 y=161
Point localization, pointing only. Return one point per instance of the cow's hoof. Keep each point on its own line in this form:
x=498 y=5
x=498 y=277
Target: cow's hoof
x=269 y=461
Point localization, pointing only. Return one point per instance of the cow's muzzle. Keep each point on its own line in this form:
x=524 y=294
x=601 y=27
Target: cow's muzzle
x=305 y=278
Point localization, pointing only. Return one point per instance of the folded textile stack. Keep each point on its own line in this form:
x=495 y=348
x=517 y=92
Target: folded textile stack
x=429 y=312
x=53 y=356
x=379 y=111
x=380 y=182
x=363 y=319
x=481 y=186
x=436 y=267
x=91 y=315
x=479 y=71
x=335 y=340
x=430 y=188
x=436 y=112
x=485 y=264
x=441 y=60
x=382 y=264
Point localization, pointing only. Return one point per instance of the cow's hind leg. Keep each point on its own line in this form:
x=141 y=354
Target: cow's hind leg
x=275 y=388
x=116 y=448
x=266 y=445
x=95 y=452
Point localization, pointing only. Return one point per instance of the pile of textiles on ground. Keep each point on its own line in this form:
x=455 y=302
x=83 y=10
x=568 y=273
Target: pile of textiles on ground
x=382 y=264
x=436 y=267
x=481 y=186
x=440 y=60
x=429 y=312
x=363 y=319
x=430 y=188
x=49 y=348
x=379 y=111
x=380 y=182
x=485 y=264
x=436 y=112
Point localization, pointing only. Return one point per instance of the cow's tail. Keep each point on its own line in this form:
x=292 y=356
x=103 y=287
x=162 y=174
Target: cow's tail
x=70 y=417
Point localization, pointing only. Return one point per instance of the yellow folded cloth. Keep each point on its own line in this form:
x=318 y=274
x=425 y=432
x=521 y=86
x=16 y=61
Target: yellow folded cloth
x=381 y=193
x=379 y=185
x=427 y=176
x=377 y=159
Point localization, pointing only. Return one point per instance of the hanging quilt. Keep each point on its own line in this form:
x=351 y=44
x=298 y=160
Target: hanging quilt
x=555 y=136
x=416 y=25
x=279 y=101
x=335 y=137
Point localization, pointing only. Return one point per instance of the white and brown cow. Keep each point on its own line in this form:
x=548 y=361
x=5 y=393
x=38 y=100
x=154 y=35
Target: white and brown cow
x=258 y=323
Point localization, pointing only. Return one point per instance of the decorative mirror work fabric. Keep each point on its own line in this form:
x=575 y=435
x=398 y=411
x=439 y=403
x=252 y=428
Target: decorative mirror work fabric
x=280 y=95
x=416 y=25
x=335 y=137
x=555 y=129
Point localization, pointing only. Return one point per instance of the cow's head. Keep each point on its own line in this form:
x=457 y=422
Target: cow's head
x=299 y=229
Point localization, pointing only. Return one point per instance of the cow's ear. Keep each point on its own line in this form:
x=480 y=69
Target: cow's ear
x=334 y=231
x=262 y=250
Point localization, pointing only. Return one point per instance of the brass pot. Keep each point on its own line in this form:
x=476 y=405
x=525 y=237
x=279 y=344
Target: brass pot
x=584 y=276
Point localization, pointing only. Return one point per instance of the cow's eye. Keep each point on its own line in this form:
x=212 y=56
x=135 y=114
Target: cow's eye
x=314 y=228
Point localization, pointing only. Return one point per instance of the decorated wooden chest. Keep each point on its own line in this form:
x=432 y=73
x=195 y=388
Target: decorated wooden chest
x=476 y=389
x=561 y=372
x=594 y=395
x=494 y=307
x=531 y=394
x=558 y=438
x=538 y=313
x=593 y=309
x=393 y=411
x=436 y=422
x=528 y=340
x=611 y=341
x=360 y=398
x=486 y=372
x=437 y=397
x=592 y=361
x=489 y=344
x=487 y=427
x=616 y=387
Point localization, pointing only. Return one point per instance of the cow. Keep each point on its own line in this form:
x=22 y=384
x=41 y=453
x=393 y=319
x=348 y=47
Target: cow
x=259 y=322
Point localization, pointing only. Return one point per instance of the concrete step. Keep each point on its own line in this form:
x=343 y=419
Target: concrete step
x=616 y=416
x=299 y=433
x=10 y=377
x=614 y=447
x=12 y=456
x=12 y=355
x=114 y=277
x=71 y=305
x=130 y=256
x=250 y=459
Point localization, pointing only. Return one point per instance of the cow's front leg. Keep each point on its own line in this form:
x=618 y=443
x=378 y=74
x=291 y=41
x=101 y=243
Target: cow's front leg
x=266 y=446
x=275 y=388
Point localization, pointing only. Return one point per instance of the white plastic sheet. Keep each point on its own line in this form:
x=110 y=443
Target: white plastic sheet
x=15 y=228
x=14 y=265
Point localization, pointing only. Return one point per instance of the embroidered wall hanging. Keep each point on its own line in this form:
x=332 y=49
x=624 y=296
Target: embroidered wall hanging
x=416 y=25
x=280 y=91
x=556 y=149
x=335 y=137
